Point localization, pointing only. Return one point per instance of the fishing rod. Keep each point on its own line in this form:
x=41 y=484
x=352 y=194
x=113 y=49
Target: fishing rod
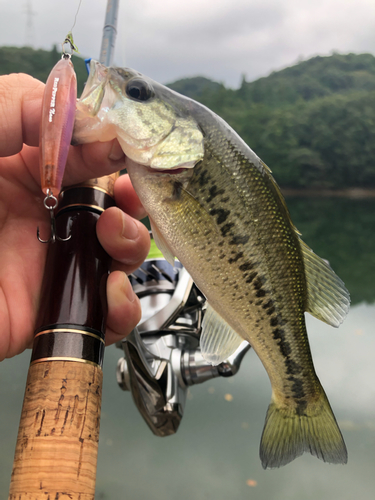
x=57 y=443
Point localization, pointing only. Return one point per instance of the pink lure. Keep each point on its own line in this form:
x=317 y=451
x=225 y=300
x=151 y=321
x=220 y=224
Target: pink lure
x=59 y=104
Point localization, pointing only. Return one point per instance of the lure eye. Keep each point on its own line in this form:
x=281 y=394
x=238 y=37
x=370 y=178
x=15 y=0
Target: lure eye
x=139 y=90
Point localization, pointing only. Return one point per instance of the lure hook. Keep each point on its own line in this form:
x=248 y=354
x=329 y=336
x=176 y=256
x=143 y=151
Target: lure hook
x=50 y=202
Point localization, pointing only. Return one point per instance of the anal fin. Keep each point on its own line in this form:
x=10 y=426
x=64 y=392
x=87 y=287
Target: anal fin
x=218 y=340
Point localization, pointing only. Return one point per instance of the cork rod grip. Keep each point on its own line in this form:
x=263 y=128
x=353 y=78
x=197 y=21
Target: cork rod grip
x=57 y=444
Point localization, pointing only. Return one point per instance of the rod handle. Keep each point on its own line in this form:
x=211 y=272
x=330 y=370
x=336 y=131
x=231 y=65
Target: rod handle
x=57 y=444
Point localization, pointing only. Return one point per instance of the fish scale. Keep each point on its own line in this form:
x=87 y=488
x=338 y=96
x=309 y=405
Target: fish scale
x=215 y=205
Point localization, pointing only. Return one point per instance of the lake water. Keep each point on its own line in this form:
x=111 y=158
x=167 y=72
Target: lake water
x=214 y=455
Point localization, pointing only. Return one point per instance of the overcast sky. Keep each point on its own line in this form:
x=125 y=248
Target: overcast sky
x=220 y=39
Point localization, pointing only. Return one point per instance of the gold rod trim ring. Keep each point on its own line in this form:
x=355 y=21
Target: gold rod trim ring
x=95 y=207
x=69 y=330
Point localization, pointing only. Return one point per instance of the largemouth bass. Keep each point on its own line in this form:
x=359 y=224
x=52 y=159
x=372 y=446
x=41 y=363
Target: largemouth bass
x=215 y=206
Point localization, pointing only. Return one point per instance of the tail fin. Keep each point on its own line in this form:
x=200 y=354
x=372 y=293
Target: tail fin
x=287 y=435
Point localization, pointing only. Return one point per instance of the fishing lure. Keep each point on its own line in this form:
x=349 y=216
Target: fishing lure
x=59 y=104
x=56 y=129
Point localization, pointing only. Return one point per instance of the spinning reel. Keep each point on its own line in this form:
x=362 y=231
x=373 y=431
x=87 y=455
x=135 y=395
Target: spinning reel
x=162 y=358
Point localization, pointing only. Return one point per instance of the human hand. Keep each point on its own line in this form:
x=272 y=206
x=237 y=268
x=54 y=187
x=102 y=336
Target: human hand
x=22 y=256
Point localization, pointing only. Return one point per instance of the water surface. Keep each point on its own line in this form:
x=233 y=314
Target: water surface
x=214 y=455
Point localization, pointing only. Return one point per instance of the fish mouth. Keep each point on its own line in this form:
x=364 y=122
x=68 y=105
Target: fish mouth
x=94 y=91
x=170 y=171
x=98 y=75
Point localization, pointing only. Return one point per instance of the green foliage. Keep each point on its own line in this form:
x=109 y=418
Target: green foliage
x=312 y=123
x=37 y=63
x=327 y=142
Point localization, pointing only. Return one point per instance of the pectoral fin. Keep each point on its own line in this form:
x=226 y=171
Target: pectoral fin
x=218 y=340
x=327 y=297
x=161 y=243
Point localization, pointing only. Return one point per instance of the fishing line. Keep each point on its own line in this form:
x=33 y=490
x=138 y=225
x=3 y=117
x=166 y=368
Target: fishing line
x=75 y=19
x=69 y=37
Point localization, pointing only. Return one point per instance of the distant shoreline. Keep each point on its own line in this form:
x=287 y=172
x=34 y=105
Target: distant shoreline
x=354 y=193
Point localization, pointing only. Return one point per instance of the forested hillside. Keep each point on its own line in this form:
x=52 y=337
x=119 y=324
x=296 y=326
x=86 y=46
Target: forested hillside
x=312 y=123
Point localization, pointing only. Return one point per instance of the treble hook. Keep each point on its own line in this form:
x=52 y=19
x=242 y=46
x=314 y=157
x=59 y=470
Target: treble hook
x=51 y=209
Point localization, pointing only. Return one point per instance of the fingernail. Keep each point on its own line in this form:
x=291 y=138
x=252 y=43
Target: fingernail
x=130 y=229
x=116 y=152
x=129 y=292
x=125 y=288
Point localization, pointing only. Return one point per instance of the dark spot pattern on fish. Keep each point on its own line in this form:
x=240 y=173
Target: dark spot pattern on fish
x=204 y=178
x=247 y=266
x=213 y=192
x=260 y=293
x=239 y=240
x=222 y=214
x=235 y=258
x=225 y=229
x=274 y=321
x=251 y=277
x=284 y=346
x=297 y=388
x=292 y=368
x=268 y=304
x=259 y=282
x=301 y=408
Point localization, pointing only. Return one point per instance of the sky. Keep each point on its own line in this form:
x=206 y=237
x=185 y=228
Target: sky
x=220 y=39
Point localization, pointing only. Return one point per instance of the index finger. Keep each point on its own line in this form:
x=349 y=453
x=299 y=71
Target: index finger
x=20 y=110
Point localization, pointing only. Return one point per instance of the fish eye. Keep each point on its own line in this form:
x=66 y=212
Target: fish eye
x=139 y=90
